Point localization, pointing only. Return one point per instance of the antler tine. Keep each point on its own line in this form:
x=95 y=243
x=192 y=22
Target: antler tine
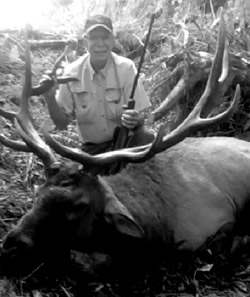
x=14 y=144
x=37 y=147
x=9 y=115
x=218 y=73
x=25 y=127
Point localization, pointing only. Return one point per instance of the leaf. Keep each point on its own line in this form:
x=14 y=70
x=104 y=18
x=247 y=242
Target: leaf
x=206 y=268
x=240 y=286
x=36 y=293
x=215 y=22
x=14 y=54
x=186 y=36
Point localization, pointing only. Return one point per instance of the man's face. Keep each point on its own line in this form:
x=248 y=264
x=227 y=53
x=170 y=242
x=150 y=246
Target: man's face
x=100 y=43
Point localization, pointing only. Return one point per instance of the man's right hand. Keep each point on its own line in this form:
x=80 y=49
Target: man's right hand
x=50 y=84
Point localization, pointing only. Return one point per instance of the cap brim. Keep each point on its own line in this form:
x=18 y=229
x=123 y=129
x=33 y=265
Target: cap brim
x=91 y=28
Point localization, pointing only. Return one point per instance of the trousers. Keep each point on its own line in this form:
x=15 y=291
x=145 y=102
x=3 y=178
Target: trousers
x=140 y=136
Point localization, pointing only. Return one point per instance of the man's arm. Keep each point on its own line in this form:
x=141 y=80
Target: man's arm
x=60 y=118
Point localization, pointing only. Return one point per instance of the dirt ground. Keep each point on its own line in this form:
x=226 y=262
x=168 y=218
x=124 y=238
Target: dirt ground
x=21 y=172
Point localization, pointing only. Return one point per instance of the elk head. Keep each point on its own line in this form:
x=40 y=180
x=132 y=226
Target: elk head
x=74 y=198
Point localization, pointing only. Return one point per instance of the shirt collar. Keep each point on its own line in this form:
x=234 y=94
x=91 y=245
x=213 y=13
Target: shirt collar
x=102 y=71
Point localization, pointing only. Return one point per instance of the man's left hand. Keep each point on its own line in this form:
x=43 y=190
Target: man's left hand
x=130 y=118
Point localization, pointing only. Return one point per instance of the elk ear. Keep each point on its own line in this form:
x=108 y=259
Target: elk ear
x=117 y=214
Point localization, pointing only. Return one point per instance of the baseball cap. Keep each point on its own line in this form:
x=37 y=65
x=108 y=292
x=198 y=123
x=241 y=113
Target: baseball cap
x=98 y=20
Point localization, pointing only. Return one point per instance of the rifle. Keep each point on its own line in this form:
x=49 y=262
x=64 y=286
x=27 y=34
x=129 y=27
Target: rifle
x=121 y=138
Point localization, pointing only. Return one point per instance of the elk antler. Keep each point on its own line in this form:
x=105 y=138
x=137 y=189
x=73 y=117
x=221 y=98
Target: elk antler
x=35 y=91
x=24 y=124
x=46 y=85
x=193 y=123
x=40 y=89
x=15 y=144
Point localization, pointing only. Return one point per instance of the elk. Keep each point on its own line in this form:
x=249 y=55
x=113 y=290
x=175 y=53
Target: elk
x=175 y=196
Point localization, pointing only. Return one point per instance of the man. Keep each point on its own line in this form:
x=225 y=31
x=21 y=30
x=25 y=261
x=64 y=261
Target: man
x=97 y=99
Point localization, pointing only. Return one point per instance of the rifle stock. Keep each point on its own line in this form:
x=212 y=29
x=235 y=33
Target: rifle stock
x=122 y=136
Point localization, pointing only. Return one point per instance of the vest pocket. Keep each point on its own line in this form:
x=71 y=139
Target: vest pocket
x=113 y=98
x=85 y=107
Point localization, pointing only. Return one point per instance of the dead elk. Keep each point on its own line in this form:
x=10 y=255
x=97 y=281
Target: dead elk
x=176 y=194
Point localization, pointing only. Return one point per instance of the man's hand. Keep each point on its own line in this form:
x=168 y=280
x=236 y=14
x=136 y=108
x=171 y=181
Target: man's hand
x=130 y=118
x=50 y=84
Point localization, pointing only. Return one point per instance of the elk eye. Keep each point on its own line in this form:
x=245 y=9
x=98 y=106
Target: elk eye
x=72 y=179
x=13 y=244
x=52 y=171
